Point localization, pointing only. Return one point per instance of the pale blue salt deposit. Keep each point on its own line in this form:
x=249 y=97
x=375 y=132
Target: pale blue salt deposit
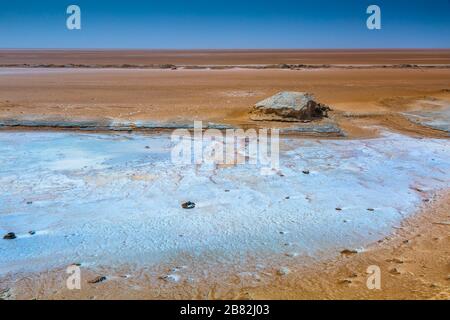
x=106 y=199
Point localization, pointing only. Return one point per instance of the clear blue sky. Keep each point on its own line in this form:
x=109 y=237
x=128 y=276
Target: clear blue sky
x=175 y=24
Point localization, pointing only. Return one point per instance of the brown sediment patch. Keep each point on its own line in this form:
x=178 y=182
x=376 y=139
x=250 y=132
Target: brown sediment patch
x=413 y=263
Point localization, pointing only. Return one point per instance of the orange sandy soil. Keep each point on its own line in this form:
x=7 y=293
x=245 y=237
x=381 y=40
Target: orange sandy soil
x=358 y=97
x=414 y=264
x=224 y=57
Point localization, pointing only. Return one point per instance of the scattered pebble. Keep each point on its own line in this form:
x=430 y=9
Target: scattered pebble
x=395 y=271
x=32 y=232
x=370 y=209
x=9 y=236
x=171 y=278
x=338 y=209
x=291 y=254
x=97 y=279
x=287 y=198
x=345 y=281
x=188 y=205
x=348 y=252
x=176 y=269
x=283 y=271
x=305 y=171
x=29 y=202
x=283 y=232
x=395 y=260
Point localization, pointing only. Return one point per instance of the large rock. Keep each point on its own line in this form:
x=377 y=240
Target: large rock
x=289 y=106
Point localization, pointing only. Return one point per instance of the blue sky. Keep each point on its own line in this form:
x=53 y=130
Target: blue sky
x=215 y=24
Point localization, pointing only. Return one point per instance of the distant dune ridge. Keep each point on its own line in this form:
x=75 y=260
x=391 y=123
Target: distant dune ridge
x=223 y=58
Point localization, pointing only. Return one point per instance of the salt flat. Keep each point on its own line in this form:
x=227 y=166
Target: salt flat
x=106 y=199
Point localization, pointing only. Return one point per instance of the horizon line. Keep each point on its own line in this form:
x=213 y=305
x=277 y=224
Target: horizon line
x=234 y=49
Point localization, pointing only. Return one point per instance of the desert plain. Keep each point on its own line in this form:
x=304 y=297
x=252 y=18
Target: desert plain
x=86 y=176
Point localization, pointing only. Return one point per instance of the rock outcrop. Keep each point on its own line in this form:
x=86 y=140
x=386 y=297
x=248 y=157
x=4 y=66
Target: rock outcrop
x=289 y=106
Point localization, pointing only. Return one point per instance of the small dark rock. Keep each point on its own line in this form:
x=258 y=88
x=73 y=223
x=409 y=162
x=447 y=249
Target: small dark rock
x=29 y=202
x=97 y=279
x=188 y=205
x=284 y=66
x=395 y=260
x=370 y=209
x=147 y=147
x=338 y=209
x=168 y=66
x=32 y=232
x=345 y=281
x=348 y=252
x=305 y=171
x=287 y=198
x=395 y=271
x=9 y=236
x=227 y=190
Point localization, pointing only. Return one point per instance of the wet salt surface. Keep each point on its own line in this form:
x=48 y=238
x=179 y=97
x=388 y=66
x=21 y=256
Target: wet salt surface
x=434 y=113
x=107 y=199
